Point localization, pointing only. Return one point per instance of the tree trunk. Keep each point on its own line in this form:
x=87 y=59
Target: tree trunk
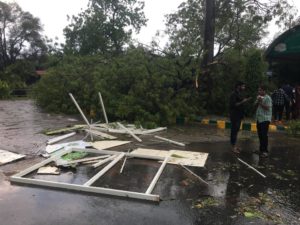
x=209 y=34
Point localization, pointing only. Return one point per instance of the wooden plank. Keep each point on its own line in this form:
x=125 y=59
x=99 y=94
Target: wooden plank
x=187 y=158
x=141 y=156
x=43 y=163
x=150 y=131
x=101 y=162
x=63 y=130
x=129 y=131
x=87 y=189
x=56 y=147
x=83 y=160
x=6 y=157
x=108 y=144
x=104 y=170
x=157 y=175
x=251 y=167
x=170 y=141
x=100 y=134
x=57 y=139
x=79 y=109
x=151 y=152
x=103 y=108
x=194 y=174
x=49 y=170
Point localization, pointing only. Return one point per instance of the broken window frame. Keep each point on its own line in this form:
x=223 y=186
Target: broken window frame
x=86 y=187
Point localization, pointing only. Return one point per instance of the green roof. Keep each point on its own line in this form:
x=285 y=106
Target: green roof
x=286 y=46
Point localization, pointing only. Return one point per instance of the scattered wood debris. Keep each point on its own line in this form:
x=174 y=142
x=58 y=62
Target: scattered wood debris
x=7 y=157
x=48 y=170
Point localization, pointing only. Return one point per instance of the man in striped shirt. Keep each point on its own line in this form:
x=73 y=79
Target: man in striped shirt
x=263 y=118
x=279 y=98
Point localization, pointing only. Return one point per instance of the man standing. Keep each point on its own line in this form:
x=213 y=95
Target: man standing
x=236 y=111
x=288 y=89
x=263 y=118
x=279 y=98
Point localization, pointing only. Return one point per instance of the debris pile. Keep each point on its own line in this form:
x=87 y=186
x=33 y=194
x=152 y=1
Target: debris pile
x=96 y=155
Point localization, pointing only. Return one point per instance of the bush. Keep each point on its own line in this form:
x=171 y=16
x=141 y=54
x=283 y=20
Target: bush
x=4 y=90
x=136 y=86
x=294 y=128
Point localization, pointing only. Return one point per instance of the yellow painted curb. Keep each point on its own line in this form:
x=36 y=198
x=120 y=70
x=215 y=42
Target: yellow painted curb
x=253 y=127
x=273 y=128
x=205 y=121
x=221 y=124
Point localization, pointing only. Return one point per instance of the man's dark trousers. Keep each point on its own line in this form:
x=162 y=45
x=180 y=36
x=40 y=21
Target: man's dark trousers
x=235 y=127
x=262 y=131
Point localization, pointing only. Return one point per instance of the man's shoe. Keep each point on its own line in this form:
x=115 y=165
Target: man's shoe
x=264 y=154
x=236 y=150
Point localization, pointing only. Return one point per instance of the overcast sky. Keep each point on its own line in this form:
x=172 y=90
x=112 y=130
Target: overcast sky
x=53 y=15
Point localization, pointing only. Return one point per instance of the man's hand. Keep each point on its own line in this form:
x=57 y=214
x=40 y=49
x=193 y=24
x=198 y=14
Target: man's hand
x=246 y=99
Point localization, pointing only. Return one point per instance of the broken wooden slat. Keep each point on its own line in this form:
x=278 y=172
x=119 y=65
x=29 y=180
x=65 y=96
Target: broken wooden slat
x=100 y=163
x=79 y=109
x=150 y=131
x=129 y=131
x=53 y=148
x=100 y=134
x=45 y=162
x=157 y=175
x=63 y=130
x=57 y=139
x=187 y=158
x=251 y=167
x=194 y=174
x=19 y=179
x=170 y=141
x=83 y=160
x=90 y=162
x=49 y=170
x=104 y=170
x=103 y=108
x=122 y=167
x=87 y=189
x=6 y=157
x=108 y=144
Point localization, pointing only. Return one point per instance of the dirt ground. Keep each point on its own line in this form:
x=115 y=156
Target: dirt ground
x=235 y=194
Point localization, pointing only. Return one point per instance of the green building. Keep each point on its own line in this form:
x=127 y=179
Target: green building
x=283 y=56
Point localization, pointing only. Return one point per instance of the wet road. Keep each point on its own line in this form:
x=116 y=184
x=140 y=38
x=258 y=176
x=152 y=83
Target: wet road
x=236 y=194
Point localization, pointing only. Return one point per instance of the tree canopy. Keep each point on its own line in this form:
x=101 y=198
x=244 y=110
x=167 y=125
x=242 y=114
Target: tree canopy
x=105 y=27
x=20 y=35
x=239 y=24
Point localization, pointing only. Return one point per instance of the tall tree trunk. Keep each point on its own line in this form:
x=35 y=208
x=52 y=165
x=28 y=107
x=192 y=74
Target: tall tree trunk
x=208 y=53
x=209 y=33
